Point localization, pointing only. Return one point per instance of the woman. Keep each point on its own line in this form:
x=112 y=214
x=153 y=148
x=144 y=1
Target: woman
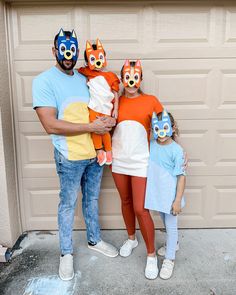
x=130 y=145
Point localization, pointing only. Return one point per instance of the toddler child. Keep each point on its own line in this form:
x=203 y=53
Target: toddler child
x=103 y=87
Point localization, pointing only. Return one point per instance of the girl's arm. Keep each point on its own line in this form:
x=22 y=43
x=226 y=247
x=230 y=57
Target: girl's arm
x=116 y=105
x=176 y=206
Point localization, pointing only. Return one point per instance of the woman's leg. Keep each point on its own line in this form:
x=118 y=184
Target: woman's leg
x=171 y=235
x=144 y=218
x=123 y=184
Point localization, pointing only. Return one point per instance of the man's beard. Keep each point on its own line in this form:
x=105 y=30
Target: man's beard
x=73 y=63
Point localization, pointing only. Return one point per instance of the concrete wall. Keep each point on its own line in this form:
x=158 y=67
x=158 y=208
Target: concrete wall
x=10 y=228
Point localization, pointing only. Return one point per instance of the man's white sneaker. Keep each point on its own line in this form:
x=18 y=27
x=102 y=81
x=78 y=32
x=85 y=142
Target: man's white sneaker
x=128 y=247
x=104 y=248
x=167 y=269
x=151 y=270
x=162 y=251
x=66 y=269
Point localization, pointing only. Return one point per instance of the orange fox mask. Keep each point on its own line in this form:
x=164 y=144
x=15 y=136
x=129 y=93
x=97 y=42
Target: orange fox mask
x=132 y=76
x=96 y=57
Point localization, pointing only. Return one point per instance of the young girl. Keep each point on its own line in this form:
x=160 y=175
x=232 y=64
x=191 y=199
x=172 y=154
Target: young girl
x=166 y=183
x=103 y=87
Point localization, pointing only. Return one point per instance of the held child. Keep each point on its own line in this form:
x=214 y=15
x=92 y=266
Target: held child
x=103 y=87
x=165 y=183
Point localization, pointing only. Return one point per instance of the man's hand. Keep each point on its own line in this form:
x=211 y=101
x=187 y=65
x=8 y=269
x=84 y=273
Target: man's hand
x=102 y=125
x=108 y=120
x=176 y=207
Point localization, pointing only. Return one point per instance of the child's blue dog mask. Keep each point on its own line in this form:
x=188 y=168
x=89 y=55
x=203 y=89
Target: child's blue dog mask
x=161 y=128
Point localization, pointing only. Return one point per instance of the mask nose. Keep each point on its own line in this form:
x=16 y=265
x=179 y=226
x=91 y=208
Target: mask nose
x=131 y=83
x=68 y=54
x=98 y=64
x=162 y=133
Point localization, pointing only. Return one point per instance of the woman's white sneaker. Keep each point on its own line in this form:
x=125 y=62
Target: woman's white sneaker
x=128 y=247
x=151 y=270
x=66 y=269
x=167 y=269
x=162 y=251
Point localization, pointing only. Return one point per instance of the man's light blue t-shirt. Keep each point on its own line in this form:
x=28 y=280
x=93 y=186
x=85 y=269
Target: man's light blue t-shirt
x=70 y=96
x=165 y=164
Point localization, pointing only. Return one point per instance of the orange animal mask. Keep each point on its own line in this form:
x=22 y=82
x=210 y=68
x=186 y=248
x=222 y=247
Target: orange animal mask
x=132 y=75
x=96 y=58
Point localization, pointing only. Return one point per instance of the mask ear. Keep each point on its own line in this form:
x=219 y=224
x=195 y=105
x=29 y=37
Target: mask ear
x=61 y=33
x=127 y=63
x=73 y=34
x=88 y=47
x=138 y=63
x=154 y=116
x=99 y=44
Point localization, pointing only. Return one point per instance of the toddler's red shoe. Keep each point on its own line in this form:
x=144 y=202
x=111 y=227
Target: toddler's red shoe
x=101 y=156
x=109 y=158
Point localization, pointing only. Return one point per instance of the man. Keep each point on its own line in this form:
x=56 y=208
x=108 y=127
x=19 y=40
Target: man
x=60 y=98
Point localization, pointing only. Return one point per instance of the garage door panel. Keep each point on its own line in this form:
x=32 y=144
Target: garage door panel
x=224 y=202
x=230 y=28
x=209 y=145
x=36 y=43
x=37 y=153
x=210 y=201
x=146 y=31
x=193 y=89
x=42 y=199
x=184 y=25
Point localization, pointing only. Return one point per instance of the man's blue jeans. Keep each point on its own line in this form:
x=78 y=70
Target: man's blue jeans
x=86 y=174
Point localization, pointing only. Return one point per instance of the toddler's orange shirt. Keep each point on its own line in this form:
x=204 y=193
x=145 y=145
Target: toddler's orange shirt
x=110 y=77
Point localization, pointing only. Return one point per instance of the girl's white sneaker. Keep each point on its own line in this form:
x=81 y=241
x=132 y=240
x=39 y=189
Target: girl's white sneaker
x=162 y=251
x=151 y=270
x=128 y=247
x=167 y=269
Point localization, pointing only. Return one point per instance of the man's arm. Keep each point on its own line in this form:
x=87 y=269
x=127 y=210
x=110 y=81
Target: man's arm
x=47 y=116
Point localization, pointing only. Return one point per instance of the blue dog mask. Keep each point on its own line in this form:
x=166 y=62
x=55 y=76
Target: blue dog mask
x=67 y=48
x=161 y=128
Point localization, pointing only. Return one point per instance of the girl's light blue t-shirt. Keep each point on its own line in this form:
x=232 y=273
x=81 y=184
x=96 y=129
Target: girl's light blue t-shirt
x=165 y=164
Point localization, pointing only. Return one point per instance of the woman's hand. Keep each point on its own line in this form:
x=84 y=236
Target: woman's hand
x=185 y=164
x=114 y=114
x=176 y=207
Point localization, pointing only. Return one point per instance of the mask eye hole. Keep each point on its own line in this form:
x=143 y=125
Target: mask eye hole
x=136 y=77
x=166 y=127
x=101 y=56
x=92 y=59
x=62 y=49
x=73 y=49
x=127 y=76
x=156 y=129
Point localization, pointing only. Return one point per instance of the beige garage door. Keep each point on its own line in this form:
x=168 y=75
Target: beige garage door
x=188 y=54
